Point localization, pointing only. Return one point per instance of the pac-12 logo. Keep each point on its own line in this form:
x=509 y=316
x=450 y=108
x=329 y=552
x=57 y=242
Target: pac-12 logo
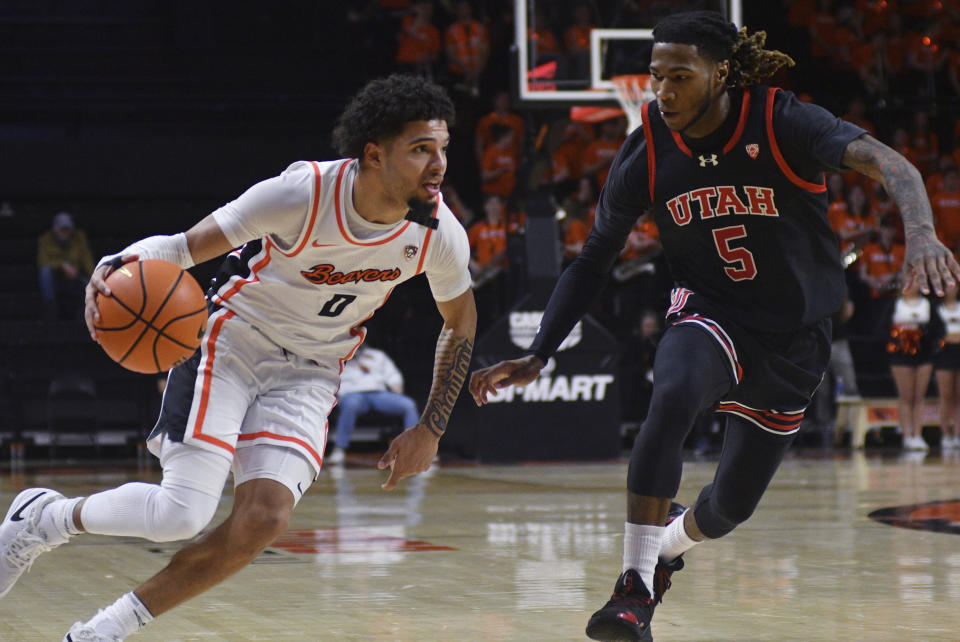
x=410 y=251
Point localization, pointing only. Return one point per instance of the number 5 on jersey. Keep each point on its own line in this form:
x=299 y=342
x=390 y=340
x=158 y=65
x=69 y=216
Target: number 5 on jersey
x=336 y=304
x=740 y=263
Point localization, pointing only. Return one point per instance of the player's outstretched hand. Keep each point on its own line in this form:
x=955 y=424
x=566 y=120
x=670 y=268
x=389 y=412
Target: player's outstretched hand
x=515 y=372
x=98 y=285
x=410 y=453
x=930 y=262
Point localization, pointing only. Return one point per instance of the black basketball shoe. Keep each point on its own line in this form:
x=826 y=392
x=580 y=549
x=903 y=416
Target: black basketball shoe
x=626 y=616
x=665 y=570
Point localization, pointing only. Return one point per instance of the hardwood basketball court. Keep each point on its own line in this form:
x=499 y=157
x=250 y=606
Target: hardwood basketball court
x=527 y=552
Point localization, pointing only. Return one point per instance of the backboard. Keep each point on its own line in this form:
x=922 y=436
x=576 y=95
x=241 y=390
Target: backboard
x=558 y=64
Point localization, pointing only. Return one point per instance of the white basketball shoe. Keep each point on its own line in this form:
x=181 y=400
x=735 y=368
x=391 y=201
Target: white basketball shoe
x=80 y=632
x=21 y=538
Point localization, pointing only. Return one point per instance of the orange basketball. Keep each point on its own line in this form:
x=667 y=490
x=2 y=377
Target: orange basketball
x=154 y=318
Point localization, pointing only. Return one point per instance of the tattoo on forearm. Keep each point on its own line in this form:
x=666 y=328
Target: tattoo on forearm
x=901 y=180
x=449 y=372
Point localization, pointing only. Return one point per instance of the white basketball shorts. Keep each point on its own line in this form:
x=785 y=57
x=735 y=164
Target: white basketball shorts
x=241 y=390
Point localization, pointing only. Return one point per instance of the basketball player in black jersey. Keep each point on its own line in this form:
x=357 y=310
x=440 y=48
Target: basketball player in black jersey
x=734 y=173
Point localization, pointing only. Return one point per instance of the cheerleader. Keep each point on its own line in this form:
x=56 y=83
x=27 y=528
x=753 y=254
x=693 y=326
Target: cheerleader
x=947 y=367
x=914 y=338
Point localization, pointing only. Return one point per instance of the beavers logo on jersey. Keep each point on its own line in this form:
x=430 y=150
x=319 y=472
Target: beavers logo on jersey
x=753 y=150
x=326 y=274
x=410 y=251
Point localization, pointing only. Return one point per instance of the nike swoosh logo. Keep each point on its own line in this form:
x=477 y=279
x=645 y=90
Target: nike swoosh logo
x=300 y=489
x=315 y=244
x=18 y=516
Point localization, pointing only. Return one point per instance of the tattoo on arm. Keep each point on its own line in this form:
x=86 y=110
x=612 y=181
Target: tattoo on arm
x=899 y=177
x=449 y=372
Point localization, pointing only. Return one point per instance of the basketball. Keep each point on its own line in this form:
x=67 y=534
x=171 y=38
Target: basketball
x=154 y=318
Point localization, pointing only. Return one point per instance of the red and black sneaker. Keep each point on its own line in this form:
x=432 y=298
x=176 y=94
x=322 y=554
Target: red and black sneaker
x=665 y=570
x=627 y=615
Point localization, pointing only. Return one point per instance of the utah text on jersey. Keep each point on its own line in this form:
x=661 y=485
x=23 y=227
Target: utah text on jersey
x=722 y=200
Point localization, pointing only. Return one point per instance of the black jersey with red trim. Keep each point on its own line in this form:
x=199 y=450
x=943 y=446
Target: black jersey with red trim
x=737 y=223
x=741 y=214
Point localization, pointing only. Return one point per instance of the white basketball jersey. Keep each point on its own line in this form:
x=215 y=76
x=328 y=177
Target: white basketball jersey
x=313 y=298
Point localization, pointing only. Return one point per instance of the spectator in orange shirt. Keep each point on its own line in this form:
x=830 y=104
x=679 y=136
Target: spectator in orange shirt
x=498 y=169
x=468 y=48
x=857 y=225
x=418 y=44
x=576 y=39
x=946 y=209
x=836 y=200
x=501 y=115
x=880 y=268
x=488 y=259
x=882 y=260
x=488 y=239
x=543 y=43
x=600 y=153
x=568 y=156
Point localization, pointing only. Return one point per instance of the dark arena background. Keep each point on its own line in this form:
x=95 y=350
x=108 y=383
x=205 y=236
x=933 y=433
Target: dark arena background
x=140 y=117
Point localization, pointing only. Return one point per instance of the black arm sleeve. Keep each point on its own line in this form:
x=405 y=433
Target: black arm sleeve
x=623 y=199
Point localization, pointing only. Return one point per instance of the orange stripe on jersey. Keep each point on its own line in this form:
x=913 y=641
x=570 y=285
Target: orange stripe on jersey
x=744 y=112
x=343 y=228
x=206 y=372
x=270 y=435
x=314 y=208
x=781 y=161
x=651 y=152
x=426 y=240
x=219 y=299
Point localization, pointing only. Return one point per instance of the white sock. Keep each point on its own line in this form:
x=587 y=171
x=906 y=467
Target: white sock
x=56 y=520
x=641 y=547
x=124 y=617
x=675 y=540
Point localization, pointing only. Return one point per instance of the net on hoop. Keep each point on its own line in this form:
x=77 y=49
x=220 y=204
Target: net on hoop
x=632 y=91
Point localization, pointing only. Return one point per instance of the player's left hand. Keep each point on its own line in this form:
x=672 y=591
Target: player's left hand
x=410 y=453
x=929 y=262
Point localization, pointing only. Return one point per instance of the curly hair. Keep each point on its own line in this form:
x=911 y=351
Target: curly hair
x=380 y=110
x=720 y=40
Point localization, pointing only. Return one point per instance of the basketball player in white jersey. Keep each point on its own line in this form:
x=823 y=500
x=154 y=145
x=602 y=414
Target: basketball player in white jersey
x=319 y=249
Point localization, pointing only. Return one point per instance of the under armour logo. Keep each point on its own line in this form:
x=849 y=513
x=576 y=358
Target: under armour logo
x=712 y=159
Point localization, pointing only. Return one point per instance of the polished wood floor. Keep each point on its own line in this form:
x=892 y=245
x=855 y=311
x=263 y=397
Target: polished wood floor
x=527 y=552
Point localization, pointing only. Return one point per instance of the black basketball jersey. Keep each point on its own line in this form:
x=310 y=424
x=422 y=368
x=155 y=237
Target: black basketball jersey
x=742 y=214
x=739 y=226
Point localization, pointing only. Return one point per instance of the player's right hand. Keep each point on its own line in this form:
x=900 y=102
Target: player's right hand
x=515 y=372
x=98 y=285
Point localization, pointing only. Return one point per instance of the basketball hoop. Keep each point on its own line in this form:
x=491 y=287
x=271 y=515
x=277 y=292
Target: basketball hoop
x=632 y=91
